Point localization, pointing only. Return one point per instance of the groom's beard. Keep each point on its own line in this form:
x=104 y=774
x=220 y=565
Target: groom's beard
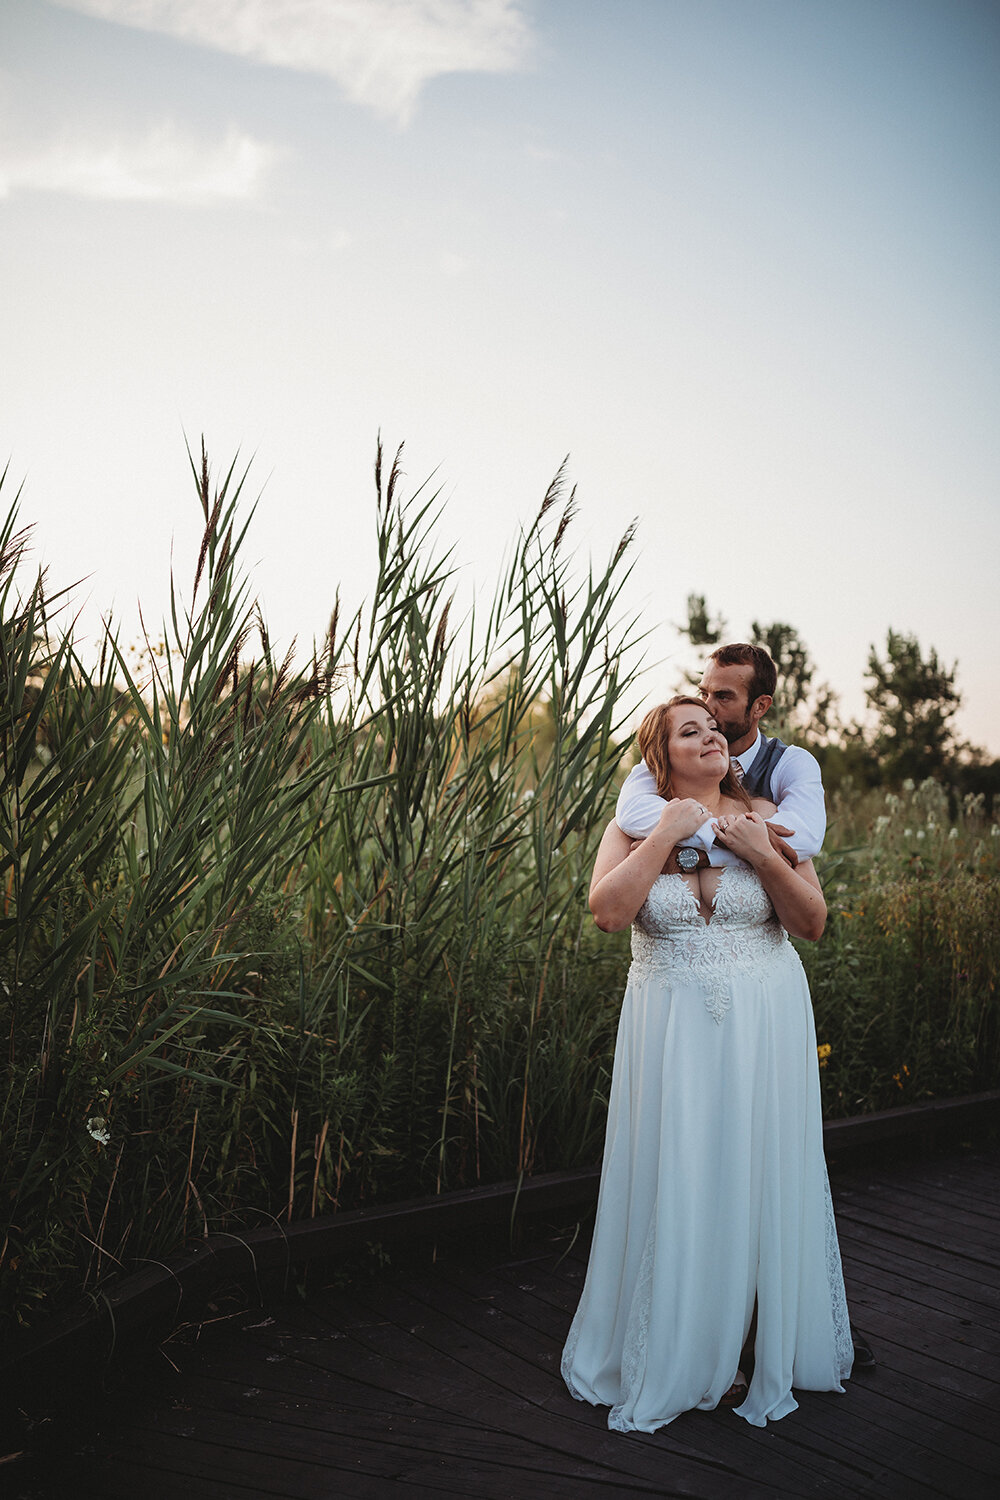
x=733 y=732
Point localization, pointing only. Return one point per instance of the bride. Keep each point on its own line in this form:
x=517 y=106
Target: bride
x=714 y=1275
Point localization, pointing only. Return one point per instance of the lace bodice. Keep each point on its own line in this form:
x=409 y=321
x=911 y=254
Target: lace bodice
x=672 y=942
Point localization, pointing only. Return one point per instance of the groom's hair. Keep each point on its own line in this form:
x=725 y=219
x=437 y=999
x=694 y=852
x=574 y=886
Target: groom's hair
x=765 y=674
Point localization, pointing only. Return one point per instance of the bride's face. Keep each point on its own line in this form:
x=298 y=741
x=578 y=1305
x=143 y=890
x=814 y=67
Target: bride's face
x=695 y=744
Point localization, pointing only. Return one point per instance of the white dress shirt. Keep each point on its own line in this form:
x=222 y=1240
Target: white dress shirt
x=796 y=789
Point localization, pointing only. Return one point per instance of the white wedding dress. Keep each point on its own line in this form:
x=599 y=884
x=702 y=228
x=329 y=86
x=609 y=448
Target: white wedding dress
x=714 y=1190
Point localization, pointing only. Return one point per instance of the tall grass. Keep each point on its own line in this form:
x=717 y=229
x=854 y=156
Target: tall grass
x=278 y=941
x=904 y=981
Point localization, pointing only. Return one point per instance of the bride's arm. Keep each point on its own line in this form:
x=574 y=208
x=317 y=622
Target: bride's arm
x=622 y=879
x=796 y=894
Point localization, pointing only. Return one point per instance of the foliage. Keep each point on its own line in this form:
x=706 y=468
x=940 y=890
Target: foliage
x=277 y=941
x=915 y=699
x=904 y=981
x=912 y=696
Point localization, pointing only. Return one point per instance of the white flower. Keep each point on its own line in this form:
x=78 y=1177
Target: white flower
x=920 y=833
x=97 y=1126
x=909 y=784
x=995 y=831
x=953 y=833
x=881 y=824
x=907 y=833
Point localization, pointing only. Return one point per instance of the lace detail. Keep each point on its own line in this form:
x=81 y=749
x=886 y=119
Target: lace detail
x=843 y=1341
x=672 y=942
x=636 y=1334
x=569 y=1357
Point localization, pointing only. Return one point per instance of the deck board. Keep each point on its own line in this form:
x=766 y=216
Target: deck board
x=443 y=1380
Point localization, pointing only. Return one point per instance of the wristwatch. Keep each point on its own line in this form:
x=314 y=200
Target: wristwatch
x=684 y=861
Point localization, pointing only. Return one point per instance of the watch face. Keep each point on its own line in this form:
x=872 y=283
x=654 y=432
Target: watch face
x=687 y=859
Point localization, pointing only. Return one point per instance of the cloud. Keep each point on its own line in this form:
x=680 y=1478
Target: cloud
x=380 y=52
x=164 y=166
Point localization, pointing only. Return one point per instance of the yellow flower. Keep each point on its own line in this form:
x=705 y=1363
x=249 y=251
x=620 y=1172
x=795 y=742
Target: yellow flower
x=823 y=1052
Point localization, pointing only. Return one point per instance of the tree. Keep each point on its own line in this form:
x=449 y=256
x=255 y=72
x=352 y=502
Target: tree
x=915 y=699
x=704 y=634
x=700 y=630
x=801 y=711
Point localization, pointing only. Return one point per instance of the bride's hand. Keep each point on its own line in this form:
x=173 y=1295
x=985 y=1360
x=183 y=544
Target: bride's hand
x=745 y=834
x=683 y=816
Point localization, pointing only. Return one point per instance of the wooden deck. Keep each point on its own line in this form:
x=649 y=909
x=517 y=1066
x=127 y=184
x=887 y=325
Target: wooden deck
x=444 y=1381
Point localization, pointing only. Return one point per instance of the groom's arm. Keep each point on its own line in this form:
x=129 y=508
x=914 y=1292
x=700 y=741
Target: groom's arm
x=639 y=804
x=797 y=788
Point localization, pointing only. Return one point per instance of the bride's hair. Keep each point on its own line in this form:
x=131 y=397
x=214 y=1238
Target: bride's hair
x=653 y=734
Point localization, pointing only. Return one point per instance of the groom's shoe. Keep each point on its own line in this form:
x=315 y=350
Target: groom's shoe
x=864 y=1357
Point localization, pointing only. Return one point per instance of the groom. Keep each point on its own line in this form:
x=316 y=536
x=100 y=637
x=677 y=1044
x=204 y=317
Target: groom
x=737 y=686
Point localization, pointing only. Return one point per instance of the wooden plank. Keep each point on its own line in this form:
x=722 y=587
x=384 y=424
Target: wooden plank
x=930 y=1241
x=872 y=1243
x=983 y=1204
x=910 y=1213
x=494 y=1408
x=366 y=1469
x=895 y=1448
x=514 y=1351
x=934 y=1312
x=328 y=1432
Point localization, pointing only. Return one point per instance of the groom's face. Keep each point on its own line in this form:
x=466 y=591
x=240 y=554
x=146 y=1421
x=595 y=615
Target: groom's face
x=726 y=691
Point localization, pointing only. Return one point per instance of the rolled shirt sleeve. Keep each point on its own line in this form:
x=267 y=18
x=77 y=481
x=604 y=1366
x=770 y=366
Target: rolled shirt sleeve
x=797 y=788
x=639 y=803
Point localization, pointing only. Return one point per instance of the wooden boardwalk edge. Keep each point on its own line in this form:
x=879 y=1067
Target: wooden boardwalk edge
x=147 y=1303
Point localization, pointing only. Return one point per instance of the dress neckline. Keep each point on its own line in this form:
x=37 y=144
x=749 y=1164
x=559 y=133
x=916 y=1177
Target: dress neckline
x=723 y=872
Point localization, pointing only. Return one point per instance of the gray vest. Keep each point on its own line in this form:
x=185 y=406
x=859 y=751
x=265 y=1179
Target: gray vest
x=757 y=781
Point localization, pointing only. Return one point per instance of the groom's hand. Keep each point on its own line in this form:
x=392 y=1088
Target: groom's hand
x=774 y=832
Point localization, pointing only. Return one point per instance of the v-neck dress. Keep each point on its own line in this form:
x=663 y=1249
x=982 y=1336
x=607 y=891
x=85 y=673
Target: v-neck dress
x=714 y=1193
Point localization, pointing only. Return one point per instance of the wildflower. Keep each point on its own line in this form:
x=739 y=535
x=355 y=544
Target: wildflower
x=882 y=823
x=899 y=1078
x=97 y=1126
x=995 y=831
x=920 y=833
x=953 y=833
x=823 y=1052
x=909 y=785
x=907 y=833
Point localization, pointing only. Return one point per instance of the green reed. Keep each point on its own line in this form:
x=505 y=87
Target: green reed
x=277 y=941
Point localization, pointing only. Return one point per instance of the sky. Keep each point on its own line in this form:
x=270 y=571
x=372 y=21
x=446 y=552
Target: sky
x=736 y=258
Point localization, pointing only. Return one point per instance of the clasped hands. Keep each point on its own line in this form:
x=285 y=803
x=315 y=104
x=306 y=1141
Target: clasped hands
x=745 y=834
